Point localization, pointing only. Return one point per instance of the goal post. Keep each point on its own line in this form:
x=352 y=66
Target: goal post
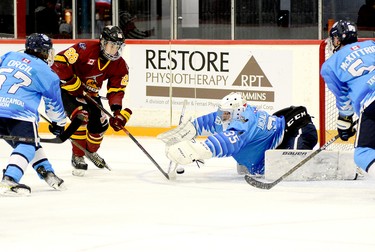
x=328 y=112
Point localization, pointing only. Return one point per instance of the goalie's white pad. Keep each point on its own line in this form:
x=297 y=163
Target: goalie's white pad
x=327 y=165
x=371 y=170
x=186 y=152
x=183 y=132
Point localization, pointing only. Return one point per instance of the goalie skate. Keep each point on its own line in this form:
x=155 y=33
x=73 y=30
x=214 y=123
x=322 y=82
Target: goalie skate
x=8 y=187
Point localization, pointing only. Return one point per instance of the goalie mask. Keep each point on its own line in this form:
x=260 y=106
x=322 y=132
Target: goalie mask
x=111 y=42
x=231 y=108
x=40 y=45
x=343 y=33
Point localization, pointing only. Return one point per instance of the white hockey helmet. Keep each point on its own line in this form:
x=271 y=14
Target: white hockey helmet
x=231 y=107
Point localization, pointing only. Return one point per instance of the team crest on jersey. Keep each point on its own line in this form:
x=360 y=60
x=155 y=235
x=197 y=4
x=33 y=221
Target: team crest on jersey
x=82 y=45
x=24 y=60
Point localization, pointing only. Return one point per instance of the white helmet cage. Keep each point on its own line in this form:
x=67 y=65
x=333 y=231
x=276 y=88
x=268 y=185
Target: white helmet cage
x=231 y=107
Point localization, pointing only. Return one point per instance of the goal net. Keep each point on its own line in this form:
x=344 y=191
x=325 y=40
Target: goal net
x=327 y=109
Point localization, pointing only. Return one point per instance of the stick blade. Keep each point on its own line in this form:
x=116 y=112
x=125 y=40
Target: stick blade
x=258 y=184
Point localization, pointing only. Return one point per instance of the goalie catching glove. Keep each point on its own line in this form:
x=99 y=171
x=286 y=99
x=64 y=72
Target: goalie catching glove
x=345 y=127
x=183 y=132
x=120 y=118
x=187 y=152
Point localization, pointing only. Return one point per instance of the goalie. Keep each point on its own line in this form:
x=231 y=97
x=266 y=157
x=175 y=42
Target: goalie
x=241 y=131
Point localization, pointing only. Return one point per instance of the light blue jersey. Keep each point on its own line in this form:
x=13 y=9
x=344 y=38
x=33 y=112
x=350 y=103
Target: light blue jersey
x=21 y=89
x=246 y=140
x=349 y=74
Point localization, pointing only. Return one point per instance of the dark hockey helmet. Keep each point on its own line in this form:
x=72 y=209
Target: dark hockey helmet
x=111 y=42
x=40 y=45
x=345 y=31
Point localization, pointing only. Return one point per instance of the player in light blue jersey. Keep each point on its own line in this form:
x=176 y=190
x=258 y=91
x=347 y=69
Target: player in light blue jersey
x=350 y=74
x=240 y=131
x=26 y=78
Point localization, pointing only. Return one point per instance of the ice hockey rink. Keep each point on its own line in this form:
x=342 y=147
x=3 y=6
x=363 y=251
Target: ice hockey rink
x=135 y=208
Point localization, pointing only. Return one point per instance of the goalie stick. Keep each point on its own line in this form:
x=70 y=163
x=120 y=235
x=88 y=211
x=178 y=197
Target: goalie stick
x=127 y=133
x=96 y=161
x=73 y=126
x=268 y=185
x=170 y=170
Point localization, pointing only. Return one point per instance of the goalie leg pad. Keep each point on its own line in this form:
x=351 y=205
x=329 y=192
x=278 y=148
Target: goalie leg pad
x=184 y=132
x=371 y=169
x=186 y=152
x=327 y=165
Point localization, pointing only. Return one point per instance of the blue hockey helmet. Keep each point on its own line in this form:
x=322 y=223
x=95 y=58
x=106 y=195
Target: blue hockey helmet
x=40 y=45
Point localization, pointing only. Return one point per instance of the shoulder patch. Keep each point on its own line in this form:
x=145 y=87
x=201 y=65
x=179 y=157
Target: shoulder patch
x=82 y=46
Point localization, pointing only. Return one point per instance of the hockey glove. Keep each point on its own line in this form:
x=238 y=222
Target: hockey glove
x=184 y=131
x=120 y=118
x=56 y=129
x=73 y=86
x=345 y=127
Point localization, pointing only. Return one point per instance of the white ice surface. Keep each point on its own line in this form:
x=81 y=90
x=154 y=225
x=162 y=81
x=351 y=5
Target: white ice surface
x=135 y=208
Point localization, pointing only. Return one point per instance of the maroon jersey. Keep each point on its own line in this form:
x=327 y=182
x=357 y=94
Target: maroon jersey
x=84 y=60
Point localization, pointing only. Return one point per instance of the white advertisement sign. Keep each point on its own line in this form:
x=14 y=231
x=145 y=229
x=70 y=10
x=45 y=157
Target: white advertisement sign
x=165 y=73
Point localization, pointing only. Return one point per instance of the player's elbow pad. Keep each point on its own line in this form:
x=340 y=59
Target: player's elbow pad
x=73 y=86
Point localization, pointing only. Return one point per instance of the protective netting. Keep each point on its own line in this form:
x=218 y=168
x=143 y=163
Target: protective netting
x=329 y=110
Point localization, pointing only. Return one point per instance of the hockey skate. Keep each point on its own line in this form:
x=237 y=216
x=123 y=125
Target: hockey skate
x=97 y=160
x=9 y=187
x=79 y=166
x=242 y=170
x=51 y=179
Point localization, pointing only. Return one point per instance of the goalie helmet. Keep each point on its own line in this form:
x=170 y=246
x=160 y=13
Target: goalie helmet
x=231 y=107
x=345 y=31
x=40 y=45
x=112 y=42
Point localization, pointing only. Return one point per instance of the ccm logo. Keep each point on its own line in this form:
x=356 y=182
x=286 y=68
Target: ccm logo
x=296 y=117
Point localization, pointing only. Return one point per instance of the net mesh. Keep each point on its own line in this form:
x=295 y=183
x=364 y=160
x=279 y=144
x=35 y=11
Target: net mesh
x=329 y=110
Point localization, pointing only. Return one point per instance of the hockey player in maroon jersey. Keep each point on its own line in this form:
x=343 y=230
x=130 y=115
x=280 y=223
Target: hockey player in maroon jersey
x=82 y=69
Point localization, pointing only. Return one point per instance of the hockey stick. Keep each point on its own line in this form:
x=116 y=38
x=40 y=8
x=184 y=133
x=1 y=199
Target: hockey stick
x=268 y=185
x=31 y=139
x=179 y=122
x=59 y=139
x=88 y=154
x=127 y=133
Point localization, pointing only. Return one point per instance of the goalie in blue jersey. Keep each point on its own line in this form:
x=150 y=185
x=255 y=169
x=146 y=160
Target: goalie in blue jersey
x=350 y=74
x=26 y=78
x=241 y=131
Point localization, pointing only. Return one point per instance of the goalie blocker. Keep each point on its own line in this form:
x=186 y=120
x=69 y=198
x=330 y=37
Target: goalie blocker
x=328 y=165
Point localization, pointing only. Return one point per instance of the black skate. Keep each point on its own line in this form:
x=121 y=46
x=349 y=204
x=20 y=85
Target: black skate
x=97 y=160
x=51 y=179
x=79 y=166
